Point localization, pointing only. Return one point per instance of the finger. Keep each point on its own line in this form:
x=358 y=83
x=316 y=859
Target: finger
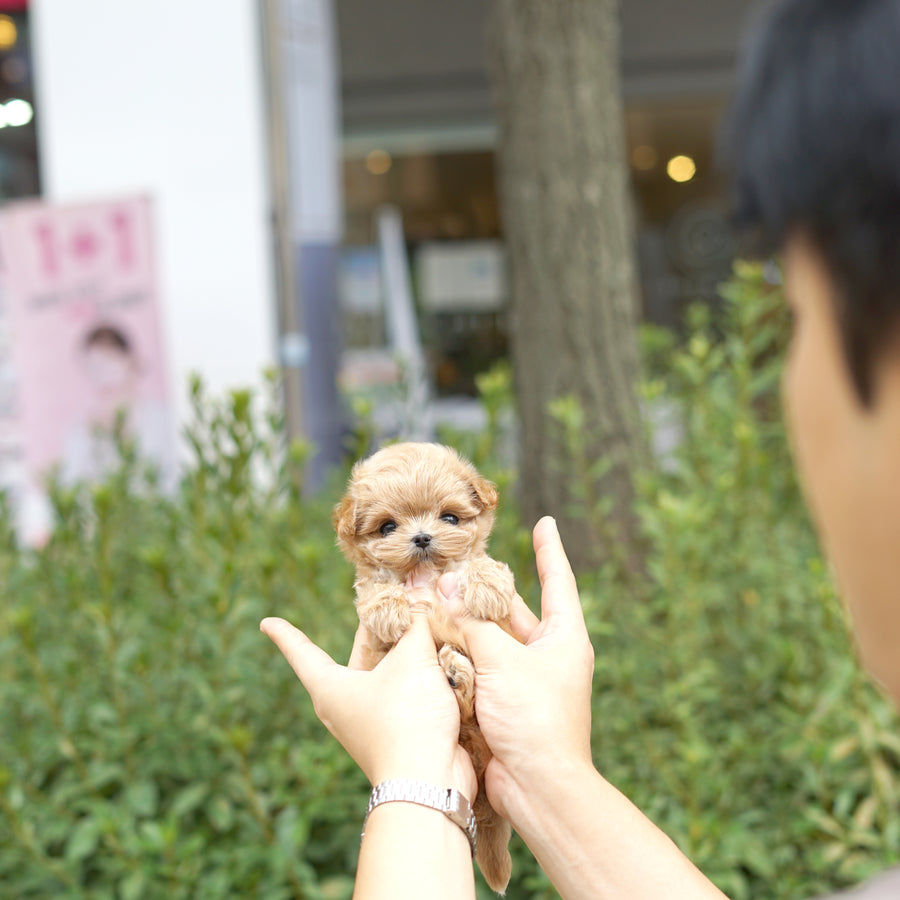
x=421 y=591
x=420 y=577
x=522 y=620
x=448 y=589
x=422 y=599
x=559 y=592
x=363 y=645
x=310 y=663
x=485 y=641
x=417 y=640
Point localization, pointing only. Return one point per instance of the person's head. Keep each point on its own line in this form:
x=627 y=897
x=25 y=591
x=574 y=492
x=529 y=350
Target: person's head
x=109 y=362
x=814 y=144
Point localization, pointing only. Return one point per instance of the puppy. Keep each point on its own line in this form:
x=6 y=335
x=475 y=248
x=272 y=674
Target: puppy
x=422 y=507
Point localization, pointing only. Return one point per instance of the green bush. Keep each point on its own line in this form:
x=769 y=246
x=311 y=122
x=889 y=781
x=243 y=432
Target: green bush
x=728 y=703
x=154 y=744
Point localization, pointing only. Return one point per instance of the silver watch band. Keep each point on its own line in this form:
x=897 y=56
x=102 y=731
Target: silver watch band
x=449 y=801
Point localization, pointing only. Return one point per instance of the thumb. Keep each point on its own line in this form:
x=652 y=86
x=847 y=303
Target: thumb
x=417 y=640
x=310 y=663
x=559 y=592
x=485 y=641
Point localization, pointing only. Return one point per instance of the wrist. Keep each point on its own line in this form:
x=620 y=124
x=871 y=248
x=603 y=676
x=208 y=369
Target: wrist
x=448 y=775
x=451 y=803
x=533 y=793
x=436 y=853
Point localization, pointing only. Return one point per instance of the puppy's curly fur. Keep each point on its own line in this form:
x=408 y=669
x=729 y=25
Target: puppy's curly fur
x=418 y=506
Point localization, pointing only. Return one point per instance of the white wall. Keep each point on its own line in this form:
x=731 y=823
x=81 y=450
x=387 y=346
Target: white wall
x=166 y=97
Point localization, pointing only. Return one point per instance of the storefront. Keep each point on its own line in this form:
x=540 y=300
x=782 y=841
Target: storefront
x=419 y=134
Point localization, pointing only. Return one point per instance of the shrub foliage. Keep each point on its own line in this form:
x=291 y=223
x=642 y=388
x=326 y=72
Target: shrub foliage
x=154 y=744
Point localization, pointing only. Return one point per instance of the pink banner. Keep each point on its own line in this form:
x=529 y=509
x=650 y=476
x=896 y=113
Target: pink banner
x=81 y=306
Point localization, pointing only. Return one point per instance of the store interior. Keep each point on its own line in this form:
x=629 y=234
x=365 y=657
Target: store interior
x=444 y=186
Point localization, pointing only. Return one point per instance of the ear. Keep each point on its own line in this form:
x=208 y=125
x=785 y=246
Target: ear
x=485 y=492
x=344 y=519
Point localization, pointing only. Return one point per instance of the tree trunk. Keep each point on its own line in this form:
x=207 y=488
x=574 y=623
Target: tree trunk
x=567 y=223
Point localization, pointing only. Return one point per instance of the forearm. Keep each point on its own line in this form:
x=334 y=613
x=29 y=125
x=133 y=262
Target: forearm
x=410 y=852
x=595 y=844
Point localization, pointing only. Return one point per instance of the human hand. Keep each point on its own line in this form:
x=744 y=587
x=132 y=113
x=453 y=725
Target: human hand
x=532 y=699
x=399 y=720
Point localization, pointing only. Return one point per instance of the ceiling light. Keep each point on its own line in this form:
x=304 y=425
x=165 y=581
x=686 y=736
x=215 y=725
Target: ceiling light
x=378 y=162
x=18 y=112
x=681 y=168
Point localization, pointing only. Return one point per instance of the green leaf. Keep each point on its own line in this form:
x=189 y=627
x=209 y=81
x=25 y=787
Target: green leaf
x=142 y=797
x=154 y=835
x=188 y=799
x=83 y=840
x=102 y=773
x=132 y=886
x=220 y=813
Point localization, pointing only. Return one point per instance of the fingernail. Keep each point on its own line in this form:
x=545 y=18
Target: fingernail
x=419 y=578
x=448 y=586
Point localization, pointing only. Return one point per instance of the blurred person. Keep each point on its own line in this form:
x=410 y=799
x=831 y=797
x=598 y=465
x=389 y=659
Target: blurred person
x=814 y=140
x=112 y=376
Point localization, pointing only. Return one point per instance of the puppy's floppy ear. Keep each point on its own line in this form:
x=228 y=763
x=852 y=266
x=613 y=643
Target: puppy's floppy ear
x=485 y=492
x=344 y=519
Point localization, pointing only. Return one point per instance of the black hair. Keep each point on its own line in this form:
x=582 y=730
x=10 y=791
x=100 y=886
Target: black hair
x=813 y=141
x=106 y=335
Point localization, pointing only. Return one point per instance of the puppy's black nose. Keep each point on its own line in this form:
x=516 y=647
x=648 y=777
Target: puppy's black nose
x=422 y=540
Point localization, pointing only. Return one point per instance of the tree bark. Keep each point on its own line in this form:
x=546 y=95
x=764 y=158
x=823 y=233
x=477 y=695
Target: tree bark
x=567 y=224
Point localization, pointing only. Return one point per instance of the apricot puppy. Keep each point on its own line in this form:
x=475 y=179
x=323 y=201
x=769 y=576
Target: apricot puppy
x=418 y=506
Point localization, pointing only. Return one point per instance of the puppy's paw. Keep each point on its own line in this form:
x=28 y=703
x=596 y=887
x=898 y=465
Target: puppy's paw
x=386 y=614
x=461 y=674
x=490 y=591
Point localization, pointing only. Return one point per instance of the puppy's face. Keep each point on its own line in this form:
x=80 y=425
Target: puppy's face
x=414 y=504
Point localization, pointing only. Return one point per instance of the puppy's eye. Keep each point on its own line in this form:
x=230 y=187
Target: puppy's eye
x=450 y=519
x=387 y=528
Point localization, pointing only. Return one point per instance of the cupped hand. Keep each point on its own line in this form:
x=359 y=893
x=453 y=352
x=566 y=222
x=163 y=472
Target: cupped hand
x=400 y=719
x=532 y=695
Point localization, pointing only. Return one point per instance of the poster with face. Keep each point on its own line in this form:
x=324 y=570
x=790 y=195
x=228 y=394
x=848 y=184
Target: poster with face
x=80 y=304
x=11 y=471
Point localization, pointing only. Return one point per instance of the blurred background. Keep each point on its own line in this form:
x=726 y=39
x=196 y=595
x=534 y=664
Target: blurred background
x=272 y=137
x=421 y=219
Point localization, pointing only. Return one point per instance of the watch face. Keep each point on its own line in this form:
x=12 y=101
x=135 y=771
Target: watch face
x=460 y=813
x=457 y=807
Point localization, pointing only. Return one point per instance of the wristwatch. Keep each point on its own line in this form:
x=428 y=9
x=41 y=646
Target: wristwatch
x=449 y=801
